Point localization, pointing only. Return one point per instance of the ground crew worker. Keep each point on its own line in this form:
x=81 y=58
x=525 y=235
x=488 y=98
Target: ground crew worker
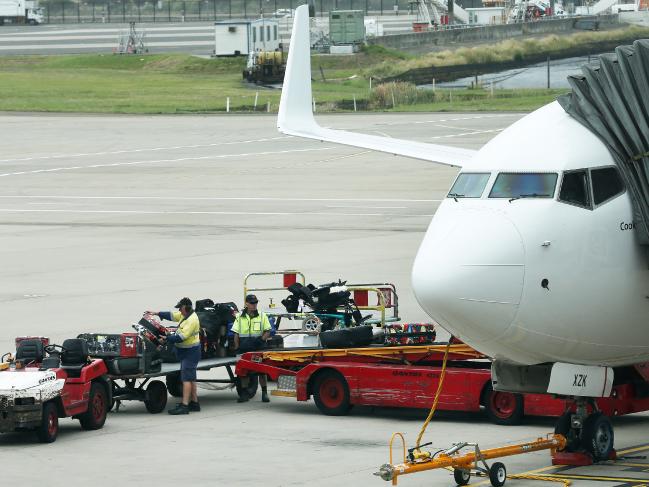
x=251 y=330
x=188 y=350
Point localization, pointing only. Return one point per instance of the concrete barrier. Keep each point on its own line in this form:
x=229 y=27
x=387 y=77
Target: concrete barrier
x=421 y=42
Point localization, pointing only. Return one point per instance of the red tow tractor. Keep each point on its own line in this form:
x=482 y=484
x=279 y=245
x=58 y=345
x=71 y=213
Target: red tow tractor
x=45 y=382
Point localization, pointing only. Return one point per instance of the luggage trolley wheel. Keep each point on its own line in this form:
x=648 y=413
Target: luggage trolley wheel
x=174 y=384
x=497 y=474
x=155 y=396
x=461 y=476
x=312 y=323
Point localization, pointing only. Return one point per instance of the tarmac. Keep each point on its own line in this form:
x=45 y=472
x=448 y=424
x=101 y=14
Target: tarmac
x=103 y=217
x=87 y=35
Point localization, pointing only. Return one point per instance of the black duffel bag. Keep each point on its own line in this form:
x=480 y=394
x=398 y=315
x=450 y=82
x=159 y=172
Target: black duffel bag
x=215 y=320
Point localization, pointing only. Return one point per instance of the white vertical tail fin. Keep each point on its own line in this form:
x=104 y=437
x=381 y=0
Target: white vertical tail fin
x=296 y=115
x=296 y=102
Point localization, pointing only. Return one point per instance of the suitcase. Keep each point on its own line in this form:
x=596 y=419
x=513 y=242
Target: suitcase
x=125 y=353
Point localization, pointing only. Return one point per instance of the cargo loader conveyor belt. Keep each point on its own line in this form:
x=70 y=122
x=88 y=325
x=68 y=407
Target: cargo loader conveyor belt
x=408 y=376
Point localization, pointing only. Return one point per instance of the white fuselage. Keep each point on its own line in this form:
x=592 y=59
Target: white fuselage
x=480 y=268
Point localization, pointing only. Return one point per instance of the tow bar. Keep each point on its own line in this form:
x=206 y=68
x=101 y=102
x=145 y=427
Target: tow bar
x=464 y=463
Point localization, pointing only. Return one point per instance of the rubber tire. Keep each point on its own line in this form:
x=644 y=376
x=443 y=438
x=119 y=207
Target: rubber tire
x=111 y=406
x=461 y=476
x=251 y=390
x=174 y=384
x=497 y=474
x=597 y=436
x=503 y=408
x=95 y=416
x=331 y=393
x=155 y=397
x=47 y=432
x=361 y=335
x=358 y=336
x=563 y=427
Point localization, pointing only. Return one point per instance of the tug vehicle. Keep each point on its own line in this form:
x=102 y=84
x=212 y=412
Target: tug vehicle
x=44 y=382
x=265 y=67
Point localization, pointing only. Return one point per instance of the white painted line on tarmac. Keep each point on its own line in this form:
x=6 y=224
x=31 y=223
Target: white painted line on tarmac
x=369 y=207
x=182 y=159
x=95 y=45
x=18 y=39
x=150 y=149
x=345 y=156
x=452 y=127
x=218 y=198
x=466 y=133
x=209 y=28
x=455 y=119
x=162 y=212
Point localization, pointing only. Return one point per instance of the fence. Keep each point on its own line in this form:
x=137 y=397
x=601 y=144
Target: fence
x=67 y=11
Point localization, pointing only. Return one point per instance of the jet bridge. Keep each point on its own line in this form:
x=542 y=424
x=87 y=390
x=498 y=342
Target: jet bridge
x=611 y=101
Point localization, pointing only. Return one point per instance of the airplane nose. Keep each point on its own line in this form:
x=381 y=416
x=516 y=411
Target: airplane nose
x=469 y=271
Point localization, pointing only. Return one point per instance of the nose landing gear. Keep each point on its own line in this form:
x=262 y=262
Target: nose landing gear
x=589 y=435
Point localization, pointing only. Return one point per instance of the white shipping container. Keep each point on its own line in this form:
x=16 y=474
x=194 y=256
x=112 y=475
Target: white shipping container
x=12 y=8
x=486 y=15
x=373 y=28
x=238 y=38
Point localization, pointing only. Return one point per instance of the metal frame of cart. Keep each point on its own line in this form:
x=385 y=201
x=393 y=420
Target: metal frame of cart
x=141 y=387
x=386 y=299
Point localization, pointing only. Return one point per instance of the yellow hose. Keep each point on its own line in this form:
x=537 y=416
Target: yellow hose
x=541 y=478
x=437 y=394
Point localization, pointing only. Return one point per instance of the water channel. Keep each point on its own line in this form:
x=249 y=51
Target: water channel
x=533 y=76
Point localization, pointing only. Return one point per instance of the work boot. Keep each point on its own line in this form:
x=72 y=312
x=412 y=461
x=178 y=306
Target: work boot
x=179 y=409
x=243 y=398
x=194 y=406
x=264 y=396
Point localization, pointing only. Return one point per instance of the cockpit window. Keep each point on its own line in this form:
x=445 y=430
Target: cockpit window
x=574 y=188
x=606 y=184
x=469 y=185
x=524 y=185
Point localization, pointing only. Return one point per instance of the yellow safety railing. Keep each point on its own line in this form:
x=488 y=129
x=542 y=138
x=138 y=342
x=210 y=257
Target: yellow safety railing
x=294 y=275
x=387 y=298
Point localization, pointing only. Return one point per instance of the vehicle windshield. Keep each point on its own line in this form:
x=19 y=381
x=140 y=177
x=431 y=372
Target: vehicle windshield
x=524 y=185
x=469 y=185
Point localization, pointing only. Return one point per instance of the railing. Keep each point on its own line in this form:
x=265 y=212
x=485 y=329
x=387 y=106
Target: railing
x=107 y=11
x=289 y=277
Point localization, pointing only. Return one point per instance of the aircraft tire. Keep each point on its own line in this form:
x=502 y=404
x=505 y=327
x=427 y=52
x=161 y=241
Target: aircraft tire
x=597 y=436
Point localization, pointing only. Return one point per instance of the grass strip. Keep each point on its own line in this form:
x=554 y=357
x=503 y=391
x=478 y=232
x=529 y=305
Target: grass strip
x=167 y=84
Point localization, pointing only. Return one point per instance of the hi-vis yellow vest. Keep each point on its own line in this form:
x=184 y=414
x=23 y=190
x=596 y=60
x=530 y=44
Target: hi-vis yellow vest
x=188 y=329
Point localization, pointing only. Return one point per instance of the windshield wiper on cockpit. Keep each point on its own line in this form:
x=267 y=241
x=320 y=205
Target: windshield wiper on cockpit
x=530 y=195
x=455 y=196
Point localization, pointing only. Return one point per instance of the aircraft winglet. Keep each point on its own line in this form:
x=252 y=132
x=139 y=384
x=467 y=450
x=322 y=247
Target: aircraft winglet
x=296 y=115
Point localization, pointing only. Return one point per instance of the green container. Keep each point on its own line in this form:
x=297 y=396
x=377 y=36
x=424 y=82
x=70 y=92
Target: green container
x=346 y=26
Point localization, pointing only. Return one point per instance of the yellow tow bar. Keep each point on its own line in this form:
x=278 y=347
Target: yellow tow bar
x=420 y=461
